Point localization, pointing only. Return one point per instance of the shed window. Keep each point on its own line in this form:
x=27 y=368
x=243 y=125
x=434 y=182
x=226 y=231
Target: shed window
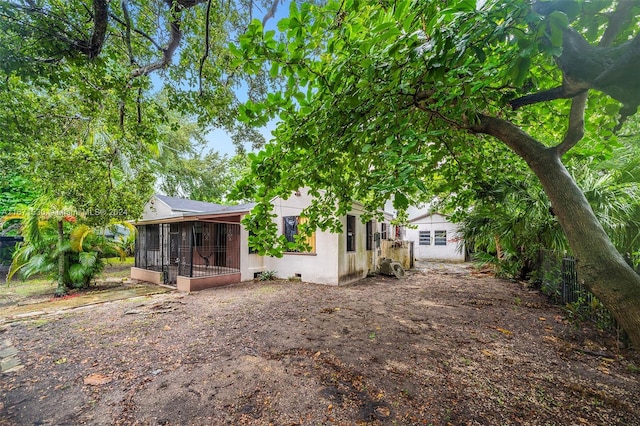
x=383 y=231
x=425 y=238
x=370 y=235
x=440 y=238
x=351 y=233
x=290 y=227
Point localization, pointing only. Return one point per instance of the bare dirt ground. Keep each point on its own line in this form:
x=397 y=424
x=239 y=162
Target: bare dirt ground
x=440 y=347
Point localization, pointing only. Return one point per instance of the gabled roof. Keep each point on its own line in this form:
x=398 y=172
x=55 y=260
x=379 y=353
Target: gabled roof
x=429 y=213
x=185 y=205
x=185 y=210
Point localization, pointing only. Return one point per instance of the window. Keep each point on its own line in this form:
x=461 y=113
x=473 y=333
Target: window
x=290 y=230
x=440 y=238
x=152 y=237
x=425 y=238
x=351 y=233
x=383 y=231
x=370 y=235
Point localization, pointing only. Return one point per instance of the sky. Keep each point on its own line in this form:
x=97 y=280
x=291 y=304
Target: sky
x=218 y=139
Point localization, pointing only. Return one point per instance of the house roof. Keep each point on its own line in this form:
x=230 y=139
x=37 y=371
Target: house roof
x=210 y=211
x=425 y=215
x=185 y=205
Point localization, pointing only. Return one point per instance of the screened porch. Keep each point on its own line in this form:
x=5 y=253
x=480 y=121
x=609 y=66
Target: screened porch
x=189 y=252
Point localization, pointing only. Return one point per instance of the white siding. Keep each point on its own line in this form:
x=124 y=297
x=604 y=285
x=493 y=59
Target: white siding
x=155 y=209
x=320 y=267
x=250 y=263
x=432 y=223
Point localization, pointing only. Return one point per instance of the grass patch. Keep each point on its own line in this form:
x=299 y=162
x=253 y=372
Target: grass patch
x=37 y=286
x=117 y=268
x=27 y=288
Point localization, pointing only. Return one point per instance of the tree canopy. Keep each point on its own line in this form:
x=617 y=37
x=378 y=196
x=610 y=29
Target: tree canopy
x=80 y=114
x=408 y=99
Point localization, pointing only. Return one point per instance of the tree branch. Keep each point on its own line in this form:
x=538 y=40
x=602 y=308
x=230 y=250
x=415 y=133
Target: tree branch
x=560 y=92
x=100 y=21
x=528 y=148
x=174 y=41
x=127 y=31
x=575 y=132
x=206 y=44
x=272 y=12
x=137 y=31
x=618 y=19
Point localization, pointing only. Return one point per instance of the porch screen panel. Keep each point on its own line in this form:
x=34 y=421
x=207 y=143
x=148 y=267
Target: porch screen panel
x=149 y=253
x=215 y=249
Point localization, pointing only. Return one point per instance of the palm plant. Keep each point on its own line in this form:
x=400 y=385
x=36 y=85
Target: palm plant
x=510 y=227
x=512 y=224
x=56 y=246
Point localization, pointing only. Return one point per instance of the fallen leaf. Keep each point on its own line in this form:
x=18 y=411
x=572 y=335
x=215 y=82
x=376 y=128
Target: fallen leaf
x=330 y=407
x=97 y=379
x=504 y=331
x=167 y=328
x=61 y=361
x=542 y=319
x=383 y=411
x=487 y=353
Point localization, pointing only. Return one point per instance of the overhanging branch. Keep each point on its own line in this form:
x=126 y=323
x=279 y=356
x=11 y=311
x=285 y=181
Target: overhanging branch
x=575 y=132
x=525 y=146
x=610 y=69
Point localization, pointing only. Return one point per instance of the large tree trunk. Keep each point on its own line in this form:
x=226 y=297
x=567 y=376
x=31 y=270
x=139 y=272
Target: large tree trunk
x=601 y=269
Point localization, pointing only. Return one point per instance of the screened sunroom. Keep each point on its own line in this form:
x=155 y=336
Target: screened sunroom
x=190 y=254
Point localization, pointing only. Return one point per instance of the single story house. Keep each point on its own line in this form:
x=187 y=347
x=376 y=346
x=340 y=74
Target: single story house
x=434 y=237
x=195 y=245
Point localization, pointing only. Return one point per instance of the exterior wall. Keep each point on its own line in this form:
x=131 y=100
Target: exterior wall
x=156 y=208
x=432 y=223
x=397 y=252
x=153 y=277
x=250 y=263
x=320 y=267
x=187 y=284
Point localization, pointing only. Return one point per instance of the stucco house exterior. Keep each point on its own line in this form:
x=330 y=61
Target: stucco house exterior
x=194 y=245
x=433 y=236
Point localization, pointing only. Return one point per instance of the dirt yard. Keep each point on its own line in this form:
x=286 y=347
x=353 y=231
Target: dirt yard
x=440 y=347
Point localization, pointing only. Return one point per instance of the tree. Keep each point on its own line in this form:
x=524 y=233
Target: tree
x=81 y=119
x=408 y=98
x=59 y=246
x=184 y=168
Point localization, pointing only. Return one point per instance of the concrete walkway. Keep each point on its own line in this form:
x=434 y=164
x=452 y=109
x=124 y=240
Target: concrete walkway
x=9 y=361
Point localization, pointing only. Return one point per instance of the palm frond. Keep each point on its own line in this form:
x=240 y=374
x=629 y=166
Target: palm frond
x=77 y=237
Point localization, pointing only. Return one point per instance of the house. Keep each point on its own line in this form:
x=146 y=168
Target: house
x=194 y=245
x=433 y=236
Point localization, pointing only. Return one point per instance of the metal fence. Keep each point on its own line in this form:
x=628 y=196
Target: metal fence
x=580 y=303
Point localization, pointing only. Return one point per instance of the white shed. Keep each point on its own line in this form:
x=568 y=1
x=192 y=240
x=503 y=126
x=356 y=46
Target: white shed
x=435 y=238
